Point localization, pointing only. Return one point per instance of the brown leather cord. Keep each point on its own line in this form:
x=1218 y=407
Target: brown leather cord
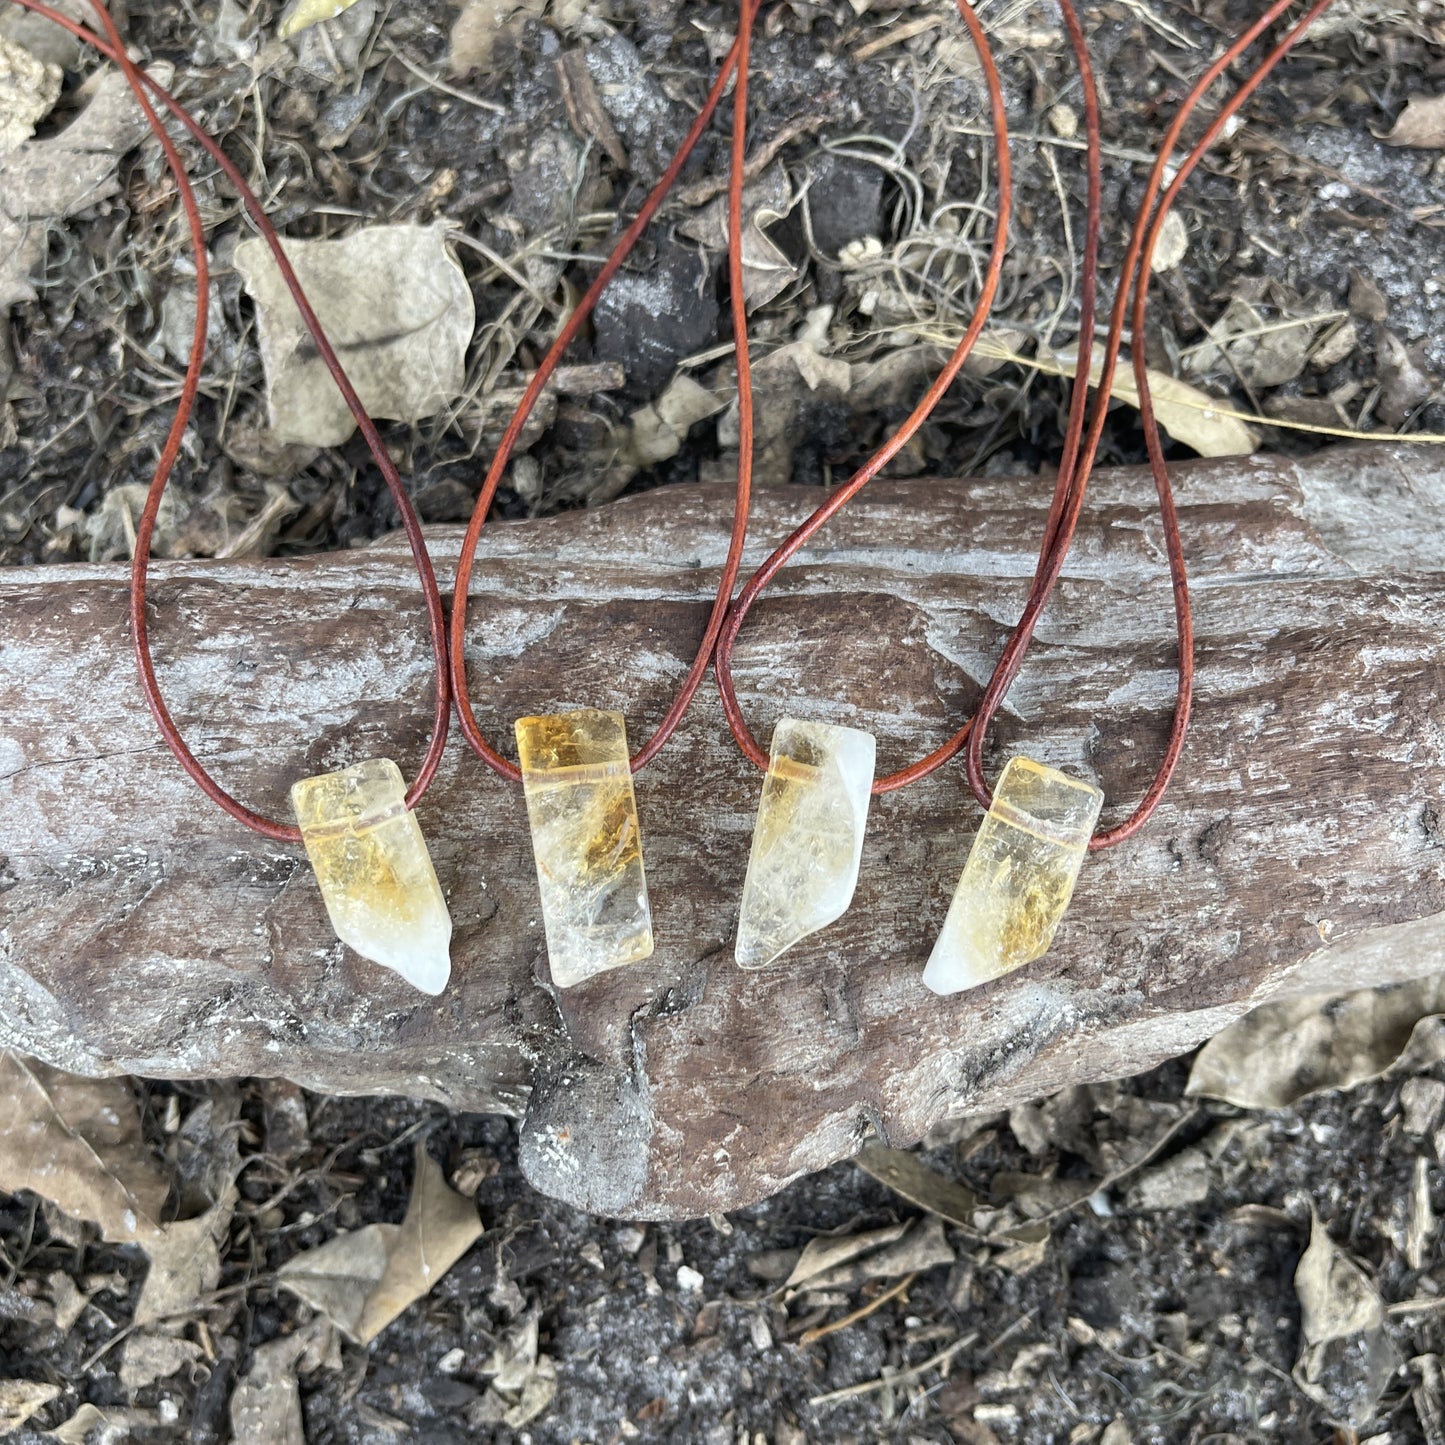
x=737 y=60
x=113 y=47
x=790 y=546
x=1135 y=271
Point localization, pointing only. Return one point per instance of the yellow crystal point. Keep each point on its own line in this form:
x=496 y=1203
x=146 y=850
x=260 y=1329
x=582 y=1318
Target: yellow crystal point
x=808 y=840
x=376 y=875
x=1018 y=879
x=586 y=842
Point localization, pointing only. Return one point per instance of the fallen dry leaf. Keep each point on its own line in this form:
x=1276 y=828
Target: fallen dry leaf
x=1346 y=1358
x=1189 y=415
x=1421 y=124
x=58 y=176
x=1284 y=1051
x=91 y=1425
x=921 y=1247
x=1261 y=351
x=28 y=89
x=302 y=14
x=826 y=1253
x=362 y=1280
x=393 y=302
x=20 y=1399
x=907 y=1175
x=523 y=1384
x=660 y=428
x=77 y=1142
x=767 y=272
x=148 y=1357
x=479 y=27
x=266 y=1403
x=185 y=1264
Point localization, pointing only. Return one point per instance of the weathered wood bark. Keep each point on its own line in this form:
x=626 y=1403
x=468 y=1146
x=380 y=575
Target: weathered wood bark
x=141 y=930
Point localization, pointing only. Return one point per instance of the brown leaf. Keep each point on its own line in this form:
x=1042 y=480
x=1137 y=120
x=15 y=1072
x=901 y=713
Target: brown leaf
x=149 y=1357
x=1284 y=1051
x=1421 y=124
x=364 y=1279
x=77 y=1142
x=185 y=1264
x=1346 y=1358
x=63 y=174
x=906 y=1174
x=826 y=1253
x=266 y=1403
x=393 y=301
x=481 y=24
x=20 y=1399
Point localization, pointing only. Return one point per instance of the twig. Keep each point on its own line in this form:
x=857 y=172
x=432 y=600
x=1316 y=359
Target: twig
x=809 y=1337
x=885 y=1382
x=446 y=89
x=703 y=191
x=897 y=36
x=584 y=107
x=1416 y=1306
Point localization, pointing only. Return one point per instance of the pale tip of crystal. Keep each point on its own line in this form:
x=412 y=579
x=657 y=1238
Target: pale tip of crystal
x=424 y=963
x=754 y=953
x=430 y=972
x=944 y=976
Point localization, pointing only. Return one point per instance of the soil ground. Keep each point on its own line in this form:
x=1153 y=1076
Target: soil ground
x=1138 y=1320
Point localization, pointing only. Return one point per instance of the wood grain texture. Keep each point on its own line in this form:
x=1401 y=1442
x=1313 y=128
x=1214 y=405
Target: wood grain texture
x=143 y=931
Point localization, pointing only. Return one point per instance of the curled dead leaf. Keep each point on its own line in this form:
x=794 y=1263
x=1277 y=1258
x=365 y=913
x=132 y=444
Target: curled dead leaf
x=1421 y=124
x=1286 y=1050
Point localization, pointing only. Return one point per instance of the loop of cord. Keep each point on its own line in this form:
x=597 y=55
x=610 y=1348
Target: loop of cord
x=736 y=61
x=113 y=47
x=1079 y=451
x=838 y=499
x=1134 y=274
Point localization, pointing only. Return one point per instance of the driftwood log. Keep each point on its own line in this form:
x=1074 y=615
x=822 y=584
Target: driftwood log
x=1303 y=844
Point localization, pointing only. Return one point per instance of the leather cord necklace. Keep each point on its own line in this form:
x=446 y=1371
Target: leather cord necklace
x=1024 y=862
x=575 y=767
x=360 y=834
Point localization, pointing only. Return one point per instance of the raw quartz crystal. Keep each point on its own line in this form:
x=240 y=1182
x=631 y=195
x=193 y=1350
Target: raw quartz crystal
x=1018 y=879
x=376 y=876
x=808 y=839
x=586 y=841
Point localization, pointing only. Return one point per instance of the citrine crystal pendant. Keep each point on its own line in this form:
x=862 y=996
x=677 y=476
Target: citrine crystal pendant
x=376 y=875
x=1018 y=879
x=577 y=776
x=808 y=839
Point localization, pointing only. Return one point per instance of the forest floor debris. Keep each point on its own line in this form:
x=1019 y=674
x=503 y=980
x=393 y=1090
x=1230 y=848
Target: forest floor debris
x=1117 y=1262
x=1295 y=287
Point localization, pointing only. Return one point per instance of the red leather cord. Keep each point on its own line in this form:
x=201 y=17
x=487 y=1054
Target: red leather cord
x=1134 y=272
x=838 y=499
x=1079 y=450
x=737 y=60
x=113 y=47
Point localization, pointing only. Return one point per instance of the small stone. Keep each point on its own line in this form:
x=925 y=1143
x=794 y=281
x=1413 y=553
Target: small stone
x=586 y=840
x=808 y=840
x=376 y=876
x=1064 y=121
x=689 y=1279
x=1172 y=246
x=1018 y=879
